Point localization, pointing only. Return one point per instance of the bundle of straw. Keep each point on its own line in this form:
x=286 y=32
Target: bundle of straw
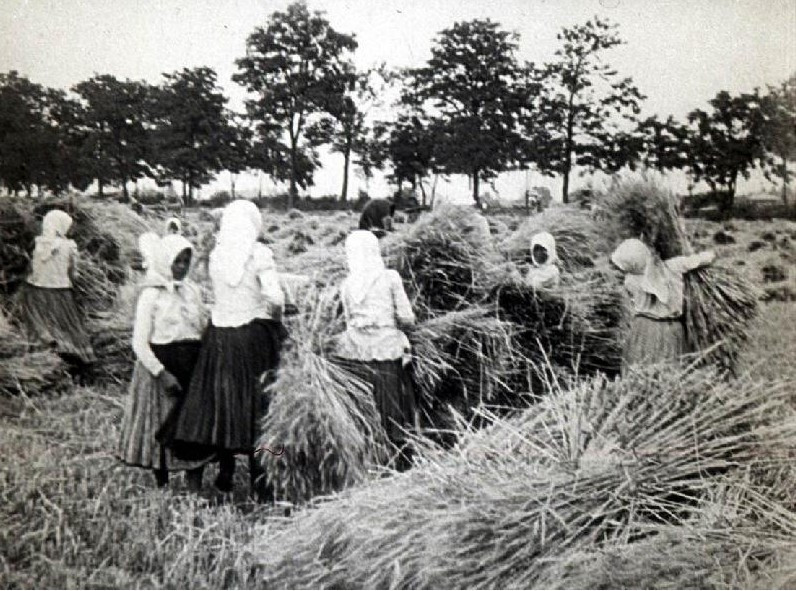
x=320 y=414
x=460 y=360
x=23 y=371
x=16 y=242
x=592 y=465
x=720 y=304
x=444 y=258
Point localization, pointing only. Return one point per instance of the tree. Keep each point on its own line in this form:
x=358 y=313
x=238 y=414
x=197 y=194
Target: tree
x=194 y=138
x=725 y=143
x=297 y=66
x=470 y=93
x=118 y=119
x=349 y=126
x=587 y=102
x=779 y=131
x=663 y=144
x=409 y=147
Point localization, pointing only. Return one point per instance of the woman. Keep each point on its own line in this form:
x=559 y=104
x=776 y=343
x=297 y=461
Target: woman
x=47 y=300
x=375 y=306
x=657 y=332
x=543 y=271
x=169 y=320
x=225 y=402
x=377 y=217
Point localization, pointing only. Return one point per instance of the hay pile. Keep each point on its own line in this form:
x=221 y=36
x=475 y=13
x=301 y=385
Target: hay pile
x=719 y=302
x=593 y=467
x=319 y=413
x=579 y=239
x=445 y=259
x=24 y=371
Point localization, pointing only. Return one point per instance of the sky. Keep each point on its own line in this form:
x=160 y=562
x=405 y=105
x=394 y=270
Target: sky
x=680 y=53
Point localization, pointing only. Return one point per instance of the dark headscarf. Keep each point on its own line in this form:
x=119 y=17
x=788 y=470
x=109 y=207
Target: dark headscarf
x=372 y=217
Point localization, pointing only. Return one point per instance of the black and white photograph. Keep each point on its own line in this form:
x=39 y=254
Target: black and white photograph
x=397 y=294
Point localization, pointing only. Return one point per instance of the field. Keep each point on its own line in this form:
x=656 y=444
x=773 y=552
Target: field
x=73 y=517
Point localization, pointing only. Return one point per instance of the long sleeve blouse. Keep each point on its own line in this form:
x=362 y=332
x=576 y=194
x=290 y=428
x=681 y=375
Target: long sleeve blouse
x=163 y=317
x=372 y=323
x=256 y=296
x=51 y=270
x=645 y=304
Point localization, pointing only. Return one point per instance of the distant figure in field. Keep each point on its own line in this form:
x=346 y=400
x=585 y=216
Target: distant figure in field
x=47 y=298
x=373 y=345
x=169 y=321
x=543 y=271
x=173 y=226
x=240 y=349
x=377 y=216
x=656 y=287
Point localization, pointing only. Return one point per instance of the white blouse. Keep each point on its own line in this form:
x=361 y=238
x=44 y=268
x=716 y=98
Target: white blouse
x=163 y=317
x=372 y=331
x=256 y=296
x=53 y=272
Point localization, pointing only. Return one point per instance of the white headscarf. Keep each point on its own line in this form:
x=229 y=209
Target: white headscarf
x=546 y=241
x=147 y=245
x=364 y=263
x=173 y=221
x=168 y=248
x=54 y=227
x=241 y=225
x=635 y=258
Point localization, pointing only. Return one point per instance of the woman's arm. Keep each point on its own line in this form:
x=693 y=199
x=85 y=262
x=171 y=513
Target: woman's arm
x=403 y=307
x=270 y=286
x=684 y=264
x=142 y=331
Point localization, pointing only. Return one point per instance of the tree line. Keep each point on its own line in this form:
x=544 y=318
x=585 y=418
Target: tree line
x=473 y=108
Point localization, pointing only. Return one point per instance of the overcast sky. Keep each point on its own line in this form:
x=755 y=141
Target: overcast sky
x=679 y=52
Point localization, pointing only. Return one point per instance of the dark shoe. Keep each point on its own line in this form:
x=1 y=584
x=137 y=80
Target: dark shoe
x=194 y=479
x=161 y=478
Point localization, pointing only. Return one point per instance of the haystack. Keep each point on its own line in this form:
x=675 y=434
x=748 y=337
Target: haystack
x=320 y=415
x=592 y=466
x=25 y=371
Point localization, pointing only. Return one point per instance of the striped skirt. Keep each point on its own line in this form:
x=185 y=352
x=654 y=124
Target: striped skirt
x=52 y=317
x=149 y=409
x=654 y=341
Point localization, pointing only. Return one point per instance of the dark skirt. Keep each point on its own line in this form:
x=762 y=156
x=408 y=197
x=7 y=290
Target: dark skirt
x=654 y=341
x=52 y=317
x=149 y=408
x=392 y=391
x=226 y=401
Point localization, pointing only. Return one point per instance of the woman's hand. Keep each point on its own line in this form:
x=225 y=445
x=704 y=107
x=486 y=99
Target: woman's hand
x=170 y=384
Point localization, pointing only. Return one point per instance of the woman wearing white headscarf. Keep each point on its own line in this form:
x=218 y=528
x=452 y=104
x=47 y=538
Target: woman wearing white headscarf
x=656 y=287
x=543 y=271
x=47 y=299
x=375 y=306
x=225 y=403
x=167 y=332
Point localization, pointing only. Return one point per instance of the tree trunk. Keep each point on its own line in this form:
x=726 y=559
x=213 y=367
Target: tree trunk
x=346 y=163
x=125 y=192
x=190 y=188
x=293 y=193
x=422 y=193
x=232 y=178
x=784 y=180
x=568 y=150
x=100 y=186
x=476 y=196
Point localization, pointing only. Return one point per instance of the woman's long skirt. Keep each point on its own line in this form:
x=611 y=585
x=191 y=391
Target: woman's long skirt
x=654 y=341
x=393 y=394
x=149 y=407
x=52 y=317
x=226 y=399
